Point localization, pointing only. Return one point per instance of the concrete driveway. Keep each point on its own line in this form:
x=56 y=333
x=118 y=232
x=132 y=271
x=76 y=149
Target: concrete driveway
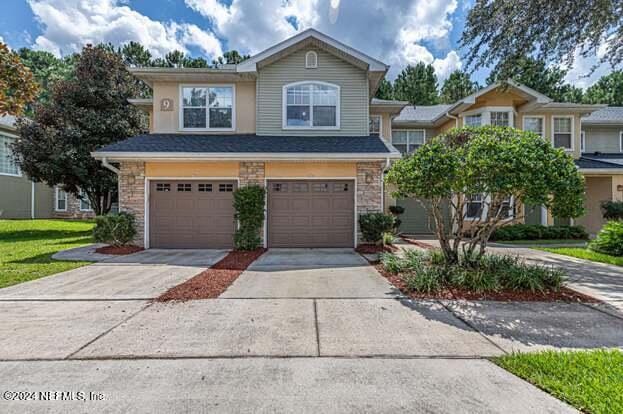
x=303 y=330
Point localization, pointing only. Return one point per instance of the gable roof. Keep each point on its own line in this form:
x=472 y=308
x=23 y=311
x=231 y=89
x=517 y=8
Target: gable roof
x=424 y=114
x=7 y=122
x=250 y=65
x=608 y=115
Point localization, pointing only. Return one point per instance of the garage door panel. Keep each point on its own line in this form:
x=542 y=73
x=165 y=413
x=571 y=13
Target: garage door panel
x=311 y=213
x=194 y=218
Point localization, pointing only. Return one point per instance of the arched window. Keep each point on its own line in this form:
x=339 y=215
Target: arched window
x=311 y=60
x=310 y=105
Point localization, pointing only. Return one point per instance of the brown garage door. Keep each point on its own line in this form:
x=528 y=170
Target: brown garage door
x=311 y=213
x=191 y=214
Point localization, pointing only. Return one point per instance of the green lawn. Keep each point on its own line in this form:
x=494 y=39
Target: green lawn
x=583 y=253
x=541 y=242
x=591 y=381
x=27 y=246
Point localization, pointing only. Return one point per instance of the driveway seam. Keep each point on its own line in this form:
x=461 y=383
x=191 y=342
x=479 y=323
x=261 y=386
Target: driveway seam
x=466 y=322
x=612 y=313
x=106 y=332
x=78 y=300
x=317 y=328
x=267 y=356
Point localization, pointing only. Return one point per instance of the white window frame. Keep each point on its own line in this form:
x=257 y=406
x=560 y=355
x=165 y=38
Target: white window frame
x=508 y=113
x=541 y=117
x=485 y=201
x=284 y=106
x=482 y=207
x=380 y=117
x=485 y=114
x=82 y=193
x=19 y=171
x=582 y=141
x=409 y=151
x=207 y=86
x=315 y=65
x=56 y=199
x=465 y=123
x=572 y=118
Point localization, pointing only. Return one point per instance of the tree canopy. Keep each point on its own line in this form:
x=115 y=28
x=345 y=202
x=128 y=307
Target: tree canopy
x=536 y=74
x=18 y=87
x=499 y=33
x=503 y=165
x=84 y=112
x=607 y=90
x=456 y=87
x=417 y=84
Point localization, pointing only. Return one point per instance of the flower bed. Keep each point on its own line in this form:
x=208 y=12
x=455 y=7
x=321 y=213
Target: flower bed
x=211 y=283
x=424 y=275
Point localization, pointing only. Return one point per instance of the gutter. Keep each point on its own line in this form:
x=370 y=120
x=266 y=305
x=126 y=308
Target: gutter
x=111 y=167
x=237 y=156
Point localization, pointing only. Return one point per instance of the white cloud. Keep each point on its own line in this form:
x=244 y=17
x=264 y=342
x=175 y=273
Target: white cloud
x=392 y=31
x=444 y=67
x=580 y=73
x=69 y=24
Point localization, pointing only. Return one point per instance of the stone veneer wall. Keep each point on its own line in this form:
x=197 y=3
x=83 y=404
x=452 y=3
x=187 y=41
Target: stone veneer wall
x=132 y=195
x=73 y=209
x=369 y=194
x=252 y=172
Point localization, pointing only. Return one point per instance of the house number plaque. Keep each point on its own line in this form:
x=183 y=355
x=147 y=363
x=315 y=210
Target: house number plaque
x=166 y=104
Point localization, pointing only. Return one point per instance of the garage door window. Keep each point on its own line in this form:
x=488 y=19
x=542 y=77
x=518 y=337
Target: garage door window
x=300 y=188
x=340 y=187
x=163 y=187
x=226 y=188
x=320 y=187
x=204 y=188
x=184 y=187
x=280 y=187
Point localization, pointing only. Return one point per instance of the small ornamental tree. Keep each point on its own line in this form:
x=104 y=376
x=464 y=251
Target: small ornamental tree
x=17 y=85
x=495 y=162
x=249 y=211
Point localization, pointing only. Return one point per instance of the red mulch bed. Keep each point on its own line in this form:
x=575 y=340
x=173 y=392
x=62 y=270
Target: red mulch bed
x=417 y=243
x=564 y=295
x=118 y=250
x=210 y=283
x=373 y=248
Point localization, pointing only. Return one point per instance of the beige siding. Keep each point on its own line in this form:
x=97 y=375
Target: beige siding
x=602 y=138
x=598 y=189
x=168 y=121
x=353 y=95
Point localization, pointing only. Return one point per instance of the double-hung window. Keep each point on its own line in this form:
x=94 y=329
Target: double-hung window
x=7 y=164
x=310 y=105
x=85 y=203
x=375 y=124
x=563 y=132
x=207 y=107
x=473 y=120
x=474 y=206
x=407 y=141
x=500 y=119
x=60 y=202
x=534 y=124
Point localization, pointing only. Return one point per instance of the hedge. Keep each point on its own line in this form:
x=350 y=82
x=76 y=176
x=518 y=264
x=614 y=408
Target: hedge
x=539 y=232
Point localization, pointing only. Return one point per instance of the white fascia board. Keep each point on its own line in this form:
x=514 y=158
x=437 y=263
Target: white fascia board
x=250 y=65
x=214 y=156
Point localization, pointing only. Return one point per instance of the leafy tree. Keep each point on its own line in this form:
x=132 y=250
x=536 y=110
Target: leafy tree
x=607 y=90
x=18 y=87
x=85 y=112
x=494 y=161
x=457 y=86
x=417 y=84
x=135 y=55
x=47 y=70
x=501 y=32
x=231 y=57
x=385 y=90
x=536 y=74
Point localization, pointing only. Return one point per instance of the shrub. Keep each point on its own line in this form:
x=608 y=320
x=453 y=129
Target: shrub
x=414 y=259
x=115 y=229
x=426 y=280
x=612 y=210
x=392 y=263
x=609 y=240
x=373 y=225
x=474 y=279
x=249 y=211
x=388 y=238
x=396 y=212
x=539 y=232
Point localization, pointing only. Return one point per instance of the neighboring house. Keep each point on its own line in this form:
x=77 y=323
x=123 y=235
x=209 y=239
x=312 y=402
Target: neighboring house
x=295 y=118
x=23 y=198
x=577 y=128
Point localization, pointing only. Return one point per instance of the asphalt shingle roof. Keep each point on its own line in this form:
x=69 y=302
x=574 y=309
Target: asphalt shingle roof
x=608 y=115
x=248 y=143
x=420 y=113
x=592 y=163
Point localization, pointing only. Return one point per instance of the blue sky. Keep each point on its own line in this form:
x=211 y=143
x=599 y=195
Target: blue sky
x=399 y=32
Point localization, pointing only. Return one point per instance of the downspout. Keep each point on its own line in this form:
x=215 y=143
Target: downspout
x=111 y=167
x=456 y=119
x=32 y=199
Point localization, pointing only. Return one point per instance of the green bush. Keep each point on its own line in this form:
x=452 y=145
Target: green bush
x=612 y=210
x=539 y=232
x=249 y=211
x=427 y=280
x=392 y=263
x=115 y=229
x=609 y=240
x=473 y=279
x=373 y=225
x=388 y=238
